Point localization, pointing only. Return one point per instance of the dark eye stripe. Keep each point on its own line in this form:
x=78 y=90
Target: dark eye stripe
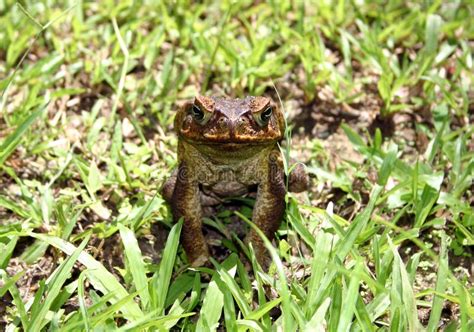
x=265 y=116
x=197 y=113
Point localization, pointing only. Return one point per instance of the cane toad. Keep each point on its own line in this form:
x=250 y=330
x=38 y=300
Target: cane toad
x=225 y=147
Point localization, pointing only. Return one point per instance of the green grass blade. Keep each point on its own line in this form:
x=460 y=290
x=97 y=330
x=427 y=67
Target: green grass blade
x=403 y=291
x=213 y=301
x=135 y=264
x=13 y=206
x=98 y=275
x=296 y=221
x=11 y=142
x=387 y=166
x=336 y=304
x=7 y=251
x=318 y=268
x=229 y=310
x=181 y=285
x=81 y=299
x=98 y=320
x=317 y=321
x=54 y=285
x=8 y=282
x=378 y=306
x=350 y=298
x=161 y=281
x=359 y=223
x=99 y=303
x=441 y=283
x=249 y=325
x=433 y=26
x=195 y=293
x=151 y=320
x=231 y=286
x=263 y=310
x=363 y=317
x=288 y=321
x=18 y=302
x=428 y=198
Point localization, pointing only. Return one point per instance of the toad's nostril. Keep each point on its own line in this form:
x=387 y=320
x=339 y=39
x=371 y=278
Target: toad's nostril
x=242 y=122
x=222 y=122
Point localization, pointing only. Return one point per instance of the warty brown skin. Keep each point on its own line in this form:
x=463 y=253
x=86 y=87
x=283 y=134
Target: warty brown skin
x=226 y=146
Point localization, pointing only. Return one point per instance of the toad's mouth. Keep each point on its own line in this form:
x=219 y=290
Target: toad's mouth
x=229 y=148
x=232 y=145
x=225 y=141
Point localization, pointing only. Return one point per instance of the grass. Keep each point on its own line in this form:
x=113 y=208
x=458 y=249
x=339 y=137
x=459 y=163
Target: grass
x=379 y=97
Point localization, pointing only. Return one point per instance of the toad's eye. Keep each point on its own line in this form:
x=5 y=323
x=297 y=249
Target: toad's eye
x=197 y=113
x=265 y=116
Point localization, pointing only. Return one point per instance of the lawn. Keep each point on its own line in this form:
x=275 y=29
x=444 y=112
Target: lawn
x=379 y=101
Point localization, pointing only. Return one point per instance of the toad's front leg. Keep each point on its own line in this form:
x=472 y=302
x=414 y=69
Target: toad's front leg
x=269 y=209
x=186 y=203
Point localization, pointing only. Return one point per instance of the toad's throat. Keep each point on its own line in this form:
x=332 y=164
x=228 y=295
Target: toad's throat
x=226 y=148
x=229 y=153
